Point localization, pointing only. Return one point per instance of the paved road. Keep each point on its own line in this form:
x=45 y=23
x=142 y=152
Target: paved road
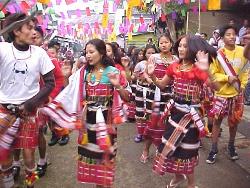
x=131 y=173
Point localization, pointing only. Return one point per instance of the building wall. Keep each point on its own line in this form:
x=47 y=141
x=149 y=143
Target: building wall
x=212 y=20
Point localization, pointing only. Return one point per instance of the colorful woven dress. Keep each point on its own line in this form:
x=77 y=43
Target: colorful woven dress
x=178 y=151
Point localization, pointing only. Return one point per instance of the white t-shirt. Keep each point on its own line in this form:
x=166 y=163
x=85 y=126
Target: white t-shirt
x=20 y=72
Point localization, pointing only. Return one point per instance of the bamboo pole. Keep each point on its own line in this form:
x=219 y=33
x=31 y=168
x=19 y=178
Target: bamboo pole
x=187 y=24
x=199 y=26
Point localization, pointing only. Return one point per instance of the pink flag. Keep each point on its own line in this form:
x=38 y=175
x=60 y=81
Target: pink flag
x=78 y=13
x=88 y=11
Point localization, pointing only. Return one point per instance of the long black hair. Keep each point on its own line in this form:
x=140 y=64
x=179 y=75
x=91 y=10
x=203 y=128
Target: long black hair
x=101 y=48
x=148 y=46
x=117 y=55
x=195 y=44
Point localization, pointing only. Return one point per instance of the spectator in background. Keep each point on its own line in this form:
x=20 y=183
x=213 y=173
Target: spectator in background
x=58 y=136
x=214 y=41
x=131 y=51
x=232 y=23
x=150 y=42
x=137 y=57
x=204 y=36
x=245 y=39
x=243 y=29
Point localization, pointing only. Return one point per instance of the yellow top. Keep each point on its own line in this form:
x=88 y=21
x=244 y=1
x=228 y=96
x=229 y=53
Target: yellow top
x=238 y=61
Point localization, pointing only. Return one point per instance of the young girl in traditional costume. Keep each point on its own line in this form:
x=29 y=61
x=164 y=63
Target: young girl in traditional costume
x=156 y=99
x=178 y=151
x=113 y=53
x=89 y=96
x=140 y=94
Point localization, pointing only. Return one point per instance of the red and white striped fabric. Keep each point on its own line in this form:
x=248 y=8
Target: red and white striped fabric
x=228 y=68
x=98 y=174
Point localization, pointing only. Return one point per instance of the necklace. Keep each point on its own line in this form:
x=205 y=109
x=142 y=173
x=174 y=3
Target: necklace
x=184 y=67
x=167 y=59
x=95 y=76
x=29 y=56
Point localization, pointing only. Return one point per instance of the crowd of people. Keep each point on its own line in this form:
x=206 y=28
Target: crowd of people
x=175 y=92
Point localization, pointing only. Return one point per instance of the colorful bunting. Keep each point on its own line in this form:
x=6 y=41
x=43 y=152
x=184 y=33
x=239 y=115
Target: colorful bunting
x=24 y=6
x=134 y=3
x=214 y=5
x=68 y=2
x=88 y=11
x=78 y=13
x=44 y=1
x=130 y=37
x=141 y=20
x=105 y=20
x=58 y=2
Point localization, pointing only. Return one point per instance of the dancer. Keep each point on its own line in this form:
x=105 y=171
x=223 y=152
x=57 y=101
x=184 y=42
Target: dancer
x=230 y=71
x=88 y=99
x=178 y=151
x=140 y=94
x=156 y=99
x=20 y=95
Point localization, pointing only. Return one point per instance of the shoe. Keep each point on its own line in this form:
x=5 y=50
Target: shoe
x=232 y=153
x=64 y=140
x=54 y=139
x=174 y=185
x=138 y=138
x=211 y=157
x=16 y=172
x=247 y=103
x=41 y=169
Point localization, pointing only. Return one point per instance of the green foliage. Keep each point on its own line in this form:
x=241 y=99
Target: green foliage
x=168 y=8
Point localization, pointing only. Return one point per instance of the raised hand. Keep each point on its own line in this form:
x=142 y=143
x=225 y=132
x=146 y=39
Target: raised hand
x=114 y=79
x=202 y=60
x=247 y=47
x=150 y=67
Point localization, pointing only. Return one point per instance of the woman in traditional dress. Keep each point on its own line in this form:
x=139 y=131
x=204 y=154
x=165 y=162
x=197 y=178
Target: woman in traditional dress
x=178 y=152
x=89 y=95
x=140 y=94
x=156 y=99
x=114 y=54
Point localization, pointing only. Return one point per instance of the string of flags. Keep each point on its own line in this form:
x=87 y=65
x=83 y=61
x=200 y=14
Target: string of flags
x=104 y=26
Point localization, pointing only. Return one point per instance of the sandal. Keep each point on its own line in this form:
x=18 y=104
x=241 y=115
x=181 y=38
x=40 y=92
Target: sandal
x=174 y=185
x=144 y=158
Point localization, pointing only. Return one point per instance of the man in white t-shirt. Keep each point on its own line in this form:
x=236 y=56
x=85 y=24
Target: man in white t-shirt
x=22 y=64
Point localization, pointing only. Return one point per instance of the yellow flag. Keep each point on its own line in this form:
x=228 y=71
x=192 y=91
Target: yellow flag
x=43 y=1
x=105 y=19
x=113 y=36
x=109 y=38
x=134 y=3
x=129 y=12
x=214 y=4
x=130 y=37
